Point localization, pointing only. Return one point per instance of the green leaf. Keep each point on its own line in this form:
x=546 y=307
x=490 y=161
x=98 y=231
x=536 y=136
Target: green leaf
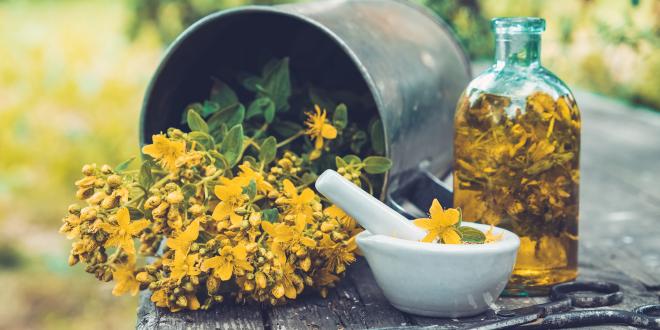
x=202 y=138
x=276 y=83
x=357 y=141
x=232 y=145
x=269 y=115
x=259 y=107
x=196 y=123
x=377 y=136
x=352 y=159
x=286 y=128
x=268 y=150
x=209 y=108
x=222 y=94
x=377 y=164
x=340 y=162
x=135 y=213
x=308 y=178
x=146 y=178
x=218 y=133
x=472 y=235
x=340 y=117
x=251 y=189
x=250 y=82
x=230 y=116
x=124 y=165
x=198 y=107
x=270 y=215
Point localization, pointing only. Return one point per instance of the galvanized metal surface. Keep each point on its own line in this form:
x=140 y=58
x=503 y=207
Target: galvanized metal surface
x=407 y=58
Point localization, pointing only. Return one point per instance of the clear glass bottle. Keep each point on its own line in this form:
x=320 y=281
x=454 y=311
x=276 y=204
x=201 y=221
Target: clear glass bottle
x=516 y=152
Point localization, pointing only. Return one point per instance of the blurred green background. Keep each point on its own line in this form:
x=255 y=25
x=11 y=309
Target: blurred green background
x=72 y=76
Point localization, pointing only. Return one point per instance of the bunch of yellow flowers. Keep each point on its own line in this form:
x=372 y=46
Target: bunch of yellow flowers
x=214 y=214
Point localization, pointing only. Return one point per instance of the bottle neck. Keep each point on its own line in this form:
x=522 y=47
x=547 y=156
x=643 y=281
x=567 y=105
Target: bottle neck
x=519 y=49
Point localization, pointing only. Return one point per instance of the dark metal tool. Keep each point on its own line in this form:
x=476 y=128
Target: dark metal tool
x=561 y=311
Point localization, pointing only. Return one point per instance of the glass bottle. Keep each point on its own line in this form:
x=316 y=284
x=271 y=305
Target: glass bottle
x=516 y=153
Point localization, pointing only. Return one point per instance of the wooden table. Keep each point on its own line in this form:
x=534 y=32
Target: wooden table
x=619 y=240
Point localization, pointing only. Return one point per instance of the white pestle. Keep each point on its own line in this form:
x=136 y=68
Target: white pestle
x=368 y=211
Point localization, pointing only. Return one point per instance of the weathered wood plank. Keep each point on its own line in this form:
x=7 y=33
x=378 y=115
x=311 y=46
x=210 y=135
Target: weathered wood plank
x=341 y=309
x=379 y=311
x=228 y=316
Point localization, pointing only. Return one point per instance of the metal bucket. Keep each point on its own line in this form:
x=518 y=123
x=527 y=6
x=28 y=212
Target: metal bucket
x=406 y=57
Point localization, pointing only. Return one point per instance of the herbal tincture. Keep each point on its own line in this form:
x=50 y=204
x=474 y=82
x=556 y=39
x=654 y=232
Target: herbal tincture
x=517 y=142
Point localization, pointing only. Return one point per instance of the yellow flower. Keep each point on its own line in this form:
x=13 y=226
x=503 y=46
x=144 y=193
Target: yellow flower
x=231 y=196
x=247 y=174
x=288 y=282
x=337 y=254
x=490 y=237
x=165 y=151
x=348 y=224
x=442 y=224
x=230 y=258
x=284 y=235
x=121 y=235
x=299 y=206
x=318 y=128
x=124 y=277
x=184 y=239
x=182 y=265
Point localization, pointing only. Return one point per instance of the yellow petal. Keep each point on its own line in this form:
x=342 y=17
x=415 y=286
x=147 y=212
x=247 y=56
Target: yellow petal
x=225 y=270
x=211 y=263
x=450 y=236
x=436 y=210
x=425 y=223
x=220 y=212
x=137 y=226
x=449 y=217
x=193 y=303
x=430 y=236
x=307 y=195
x=240 y=252
x=235 y=218
x=123 y=217
x=328 y=131
x=289 y=188
x=318 y=144
x=290 y=291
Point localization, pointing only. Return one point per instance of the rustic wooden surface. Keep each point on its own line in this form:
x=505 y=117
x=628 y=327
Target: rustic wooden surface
x=619 y=240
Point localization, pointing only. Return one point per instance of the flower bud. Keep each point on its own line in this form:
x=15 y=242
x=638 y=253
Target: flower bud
x=84 y=193
x=152 y=202
x=211 y=284
x=188 y=287
x=317 y=215
x=96 y=198
x=99 y=183
x=73 y=260
x=88 y=213
x=106 y=169
x=88 y=169
x=74 y=209
x=248 y=285
x=261 y=280
x=171 y=186
x=196 y=209
x=327 y=227
x=114 y=181
x=273 y=194
x=218 y=298
x=210 y=170
x=109 y=202
x=181 y=301
x=159 y=212
x=175 y=197
x=305 y=264
x=341 y=170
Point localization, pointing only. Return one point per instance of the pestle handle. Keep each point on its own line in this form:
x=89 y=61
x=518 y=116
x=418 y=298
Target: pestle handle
x=368 y=211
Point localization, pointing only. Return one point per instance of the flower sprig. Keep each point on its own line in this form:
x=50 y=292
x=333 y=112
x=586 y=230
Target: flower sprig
x=232 y=204
x=444 y=226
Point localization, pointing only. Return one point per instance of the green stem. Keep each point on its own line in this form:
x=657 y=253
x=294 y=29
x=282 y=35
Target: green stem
x=291 y=139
